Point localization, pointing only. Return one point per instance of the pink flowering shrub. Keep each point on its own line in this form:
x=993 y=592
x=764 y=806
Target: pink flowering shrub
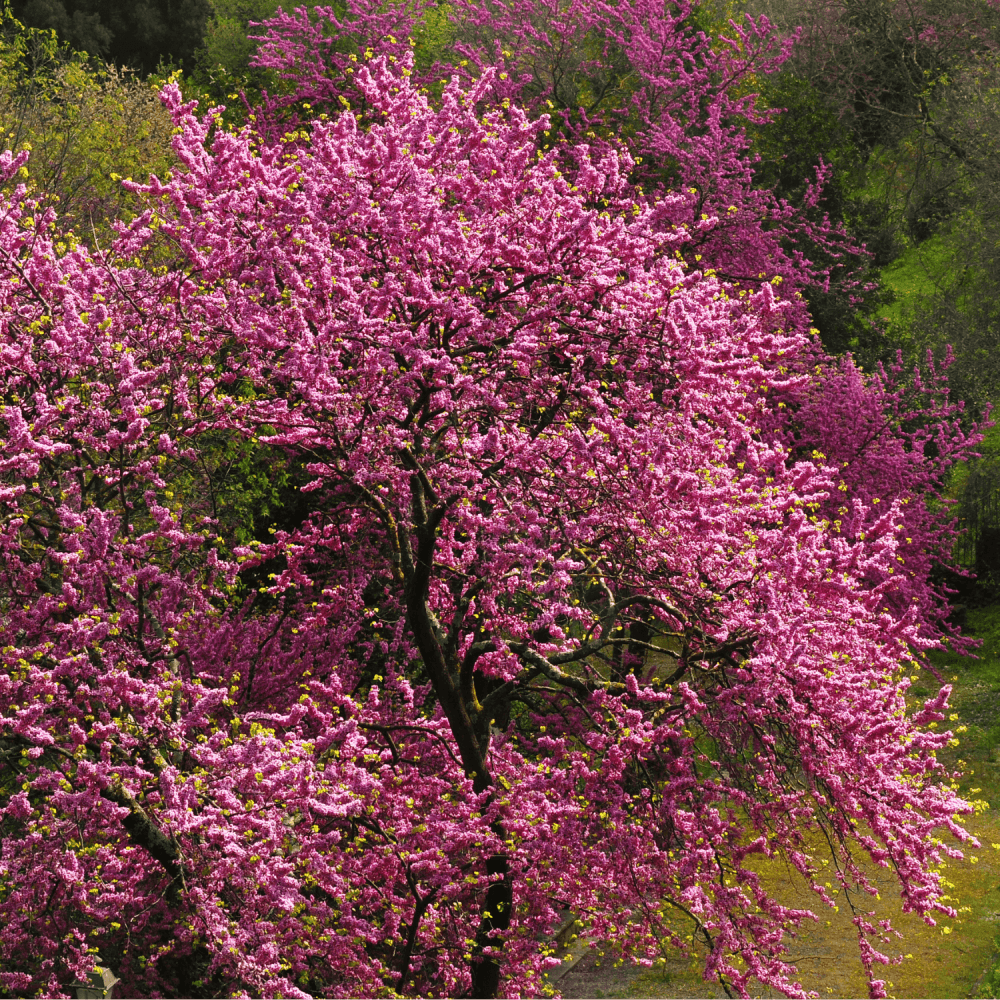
x=556 y=625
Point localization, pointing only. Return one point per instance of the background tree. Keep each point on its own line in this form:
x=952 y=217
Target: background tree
x=884 y=72
x=911 y=84
x=222 y=70
x=958 y=306
x=806 y=136
x=140 y=34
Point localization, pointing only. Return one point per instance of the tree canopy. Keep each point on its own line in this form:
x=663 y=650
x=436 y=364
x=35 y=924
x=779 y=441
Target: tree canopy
x=435 y=512
x=140 y=34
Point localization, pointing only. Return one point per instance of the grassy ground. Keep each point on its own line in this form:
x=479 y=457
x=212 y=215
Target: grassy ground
x=916 y=274
x=948 y=960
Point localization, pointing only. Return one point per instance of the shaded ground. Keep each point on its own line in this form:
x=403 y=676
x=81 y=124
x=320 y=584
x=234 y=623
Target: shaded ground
x=593 y=978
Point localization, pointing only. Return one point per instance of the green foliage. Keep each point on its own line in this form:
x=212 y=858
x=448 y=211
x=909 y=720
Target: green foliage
x=806 y=136
x=221 y=73
x=806 y=133
x=221 y=69
x=976 y=485
x=990 y=986
x=919 y=271
x=910 y=92
x=434 y=37
x=239 y=484
x=87 y=126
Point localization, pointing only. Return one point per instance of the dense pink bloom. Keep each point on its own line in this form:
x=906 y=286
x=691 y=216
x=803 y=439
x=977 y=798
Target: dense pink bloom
x=639 y=77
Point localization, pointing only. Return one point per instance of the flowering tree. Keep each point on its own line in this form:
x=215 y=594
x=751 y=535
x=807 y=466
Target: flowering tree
x=554 y=620
x=888 y=438
x=641 y=76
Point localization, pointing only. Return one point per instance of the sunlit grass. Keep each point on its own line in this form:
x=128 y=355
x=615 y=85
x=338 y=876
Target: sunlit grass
x=919 y=272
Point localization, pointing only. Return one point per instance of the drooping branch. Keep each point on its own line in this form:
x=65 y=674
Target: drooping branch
x=144 y=833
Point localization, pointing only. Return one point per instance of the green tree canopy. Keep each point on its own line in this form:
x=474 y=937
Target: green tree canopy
x=87 y=125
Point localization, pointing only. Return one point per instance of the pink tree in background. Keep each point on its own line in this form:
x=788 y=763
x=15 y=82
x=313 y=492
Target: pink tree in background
x=889 y=443
x=560 y=624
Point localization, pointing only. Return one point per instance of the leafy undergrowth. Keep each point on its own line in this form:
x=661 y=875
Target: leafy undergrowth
x=949 y=959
